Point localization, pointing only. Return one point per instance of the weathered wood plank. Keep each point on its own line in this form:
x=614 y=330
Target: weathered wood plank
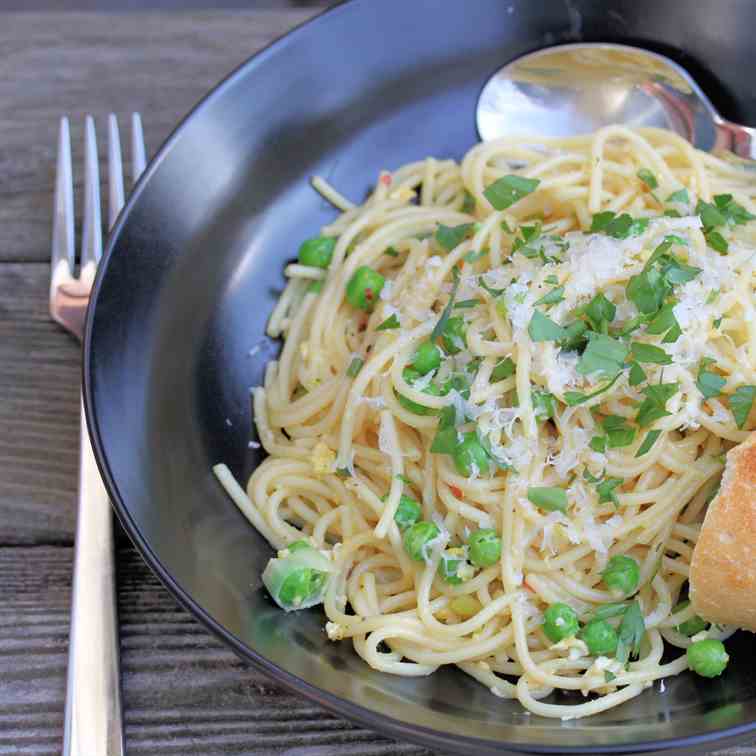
x=39 y=412
x=73 y=63
x=184 y=693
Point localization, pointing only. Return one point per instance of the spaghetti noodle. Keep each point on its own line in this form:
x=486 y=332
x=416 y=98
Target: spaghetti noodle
x=554 y=344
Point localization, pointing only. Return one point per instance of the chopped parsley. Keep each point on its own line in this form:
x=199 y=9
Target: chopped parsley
x=681 y=195
x=631 y=631
x=544 y=404
x=653 y=407
x=391 y=323
x=504 y=369
x=648 y=353
x=553 y=297
x=450 y=237
x=507 y=190
x=648 y=178
x=618 y=226
x=740 y=404
x=604 y=356
x=709 y=383
x=355 y=366
x=648 y=442
x=543 y=328
x=438 y=329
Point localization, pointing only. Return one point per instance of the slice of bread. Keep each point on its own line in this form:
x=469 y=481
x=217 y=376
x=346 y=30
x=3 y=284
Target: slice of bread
x=723 y=568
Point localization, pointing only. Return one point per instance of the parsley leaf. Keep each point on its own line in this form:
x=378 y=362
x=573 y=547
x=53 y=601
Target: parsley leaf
x=578 y=397
x=467 y=304
x=618 y=226
x=607 y=611
x=653 y=407
x=681 y=195
x=648 y=178
x=598 y=444
x=438 y=329
x=504 y=369
x=600 y=310
x=468 y=204
x=605 y=490
x=391 y=323
x=549 y=498
x=648 y=442
x=450 y=237
x=543 y=328
x=631 y=631
x=553 y=297
x=663 y=321
x=391 y=252
x=507 y=190
x=573 y=337
x=445 y=440
x=552 y=280
x=708 y=382
x=647 y=290
x=493 y=292
x=603 y=355
x=404 y=479
x=472 y=257
x=648 y=353
x=637 y=374
x=716 y=241
x=733 y=213
x=355 y=366
x=709 y=215
x=544 y=405
x=741 y=402
x=618 y=432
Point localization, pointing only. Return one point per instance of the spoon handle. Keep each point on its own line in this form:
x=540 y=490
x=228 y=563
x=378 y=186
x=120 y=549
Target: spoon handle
x=738 y=139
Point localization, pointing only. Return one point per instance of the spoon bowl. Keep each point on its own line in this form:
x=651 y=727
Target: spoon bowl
x=575 y=89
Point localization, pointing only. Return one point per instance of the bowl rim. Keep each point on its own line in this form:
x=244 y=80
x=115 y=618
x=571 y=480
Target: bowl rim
x=381 y=723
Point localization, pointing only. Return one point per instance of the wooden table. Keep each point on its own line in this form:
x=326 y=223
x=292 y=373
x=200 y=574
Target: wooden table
x=184 y=693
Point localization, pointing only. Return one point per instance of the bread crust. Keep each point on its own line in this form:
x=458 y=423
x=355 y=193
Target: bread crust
x=723 y=568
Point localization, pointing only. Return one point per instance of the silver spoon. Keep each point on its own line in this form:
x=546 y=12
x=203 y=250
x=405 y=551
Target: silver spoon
x=575 y=89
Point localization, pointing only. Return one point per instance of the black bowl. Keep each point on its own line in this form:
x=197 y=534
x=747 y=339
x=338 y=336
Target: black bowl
x=191 y=274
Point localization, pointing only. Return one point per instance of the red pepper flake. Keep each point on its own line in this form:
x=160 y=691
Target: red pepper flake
x=456 y=491
x=386 y=179
x=528 y=587
x=368 y=294
x=362 y=326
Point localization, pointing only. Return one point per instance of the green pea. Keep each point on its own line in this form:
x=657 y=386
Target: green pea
x=315 y=287
x=317 y=252
x=364 y=288
x=484 y=547
x=560 y=621
x=469 y=455
x=691 y=626
x=300 y=585
x=410 y=375
x=426 y=358
x=622 y=575
x=417 y=539
x=451 y=566
x=707 y=658
x=454 y=335
x=600 y=637
x=407 y=513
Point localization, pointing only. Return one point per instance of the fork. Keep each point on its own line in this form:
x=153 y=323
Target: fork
x=93 y=721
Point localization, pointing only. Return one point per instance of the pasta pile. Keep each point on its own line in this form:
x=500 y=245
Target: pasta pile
x=553 y=342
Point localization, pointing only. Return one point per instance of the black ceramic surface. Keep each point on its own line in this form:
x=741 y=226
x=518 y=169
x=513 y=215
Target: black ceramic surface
x=194 y=267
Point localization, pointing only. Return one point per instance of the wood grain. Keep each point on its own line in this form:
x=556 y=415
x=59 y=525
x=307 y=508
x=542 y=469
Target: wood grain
x=184 y=693
x=159 y=64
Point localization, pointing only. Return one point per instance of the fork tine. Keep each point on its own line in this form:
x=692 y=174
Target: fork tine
x=91 y=235
x=115 y=171
x=62 y=253
x=138 y=152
